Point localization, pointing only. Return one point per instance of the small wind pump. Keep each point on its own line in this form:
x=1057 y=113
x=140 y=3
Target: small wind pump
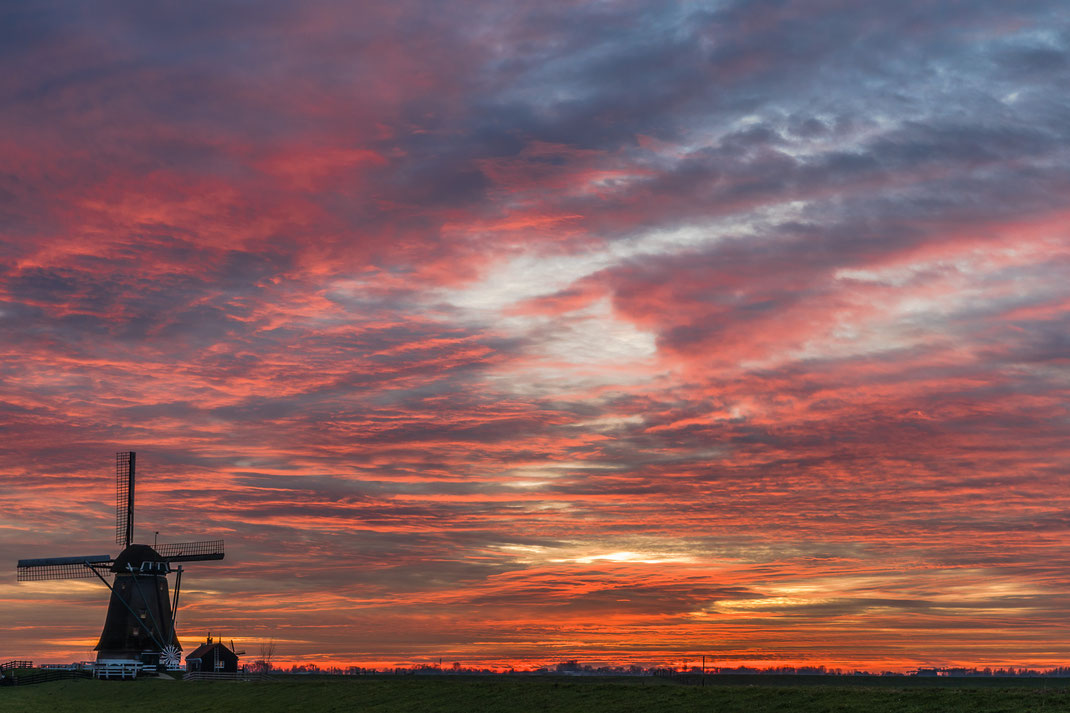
x=140 y=625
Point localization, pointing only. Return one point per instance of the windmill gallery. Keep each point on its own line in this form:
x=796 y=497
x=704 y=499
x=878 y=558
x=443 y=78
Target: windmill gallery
x=139 y=629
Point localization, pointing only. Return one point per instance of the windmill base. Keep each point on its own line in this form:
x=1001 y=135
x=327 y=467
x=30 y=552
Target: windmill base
x=121 y=664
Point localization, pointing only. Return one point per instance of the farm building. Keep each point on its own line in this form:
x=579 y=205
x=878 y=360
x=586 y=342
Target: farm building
x=212 y=657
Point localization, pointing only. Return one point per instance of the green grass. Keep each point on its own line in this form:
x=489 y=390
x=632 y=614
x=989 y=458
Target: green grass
x=537 y=695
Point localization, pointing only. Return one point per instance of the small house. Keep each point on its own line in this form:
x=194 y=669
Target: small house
x=212 y=657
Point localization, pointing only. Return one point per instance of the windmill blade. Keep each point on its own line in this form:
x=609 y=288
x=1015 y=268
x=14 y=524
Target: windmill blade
x=191 y=551
x=124 y=497
x=61 y=568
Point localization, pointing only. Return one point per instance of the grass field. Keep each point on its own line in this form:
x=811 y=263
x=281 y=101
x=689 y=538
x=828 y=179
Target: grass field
x=543 y=695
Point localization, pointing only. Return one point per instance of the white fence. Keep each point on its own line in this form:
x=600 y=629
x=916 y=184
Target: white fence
x=224 y=676
x=119 y=669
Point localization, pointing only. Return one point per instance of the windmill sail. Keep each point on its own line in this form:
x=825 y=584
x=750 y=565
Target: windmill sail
x=191 y=551
x=38 y=570
x=124 y=498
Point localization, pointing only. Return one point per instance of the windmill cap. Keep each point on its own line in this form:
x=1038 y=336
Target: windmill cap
x=134 y=555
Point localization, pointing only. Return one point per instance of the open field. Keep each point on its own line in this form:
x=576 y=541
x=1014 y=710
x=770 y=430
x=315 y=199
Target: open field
x=546 y=695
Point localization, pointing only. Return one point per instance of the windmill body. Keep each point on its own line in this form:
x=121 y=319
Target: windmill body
x=139 y=620
x=140 y=625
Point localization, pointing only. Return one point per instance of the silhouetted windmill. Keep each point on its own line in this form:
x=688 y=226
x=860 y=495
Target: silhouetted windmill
x=140 y=625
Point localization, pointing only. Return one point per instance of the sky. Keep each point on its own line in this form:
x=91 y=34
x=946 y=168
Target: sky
x=515 y=332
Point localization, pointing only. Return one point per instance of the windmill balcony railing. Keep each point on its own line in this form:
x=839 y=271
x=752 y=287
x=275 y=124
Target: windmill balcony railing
x=118 y=669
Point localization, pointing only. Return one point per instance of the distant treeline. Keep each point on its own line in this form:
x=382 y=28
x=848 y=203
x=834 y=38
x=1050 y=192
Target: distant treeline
x=574 y=668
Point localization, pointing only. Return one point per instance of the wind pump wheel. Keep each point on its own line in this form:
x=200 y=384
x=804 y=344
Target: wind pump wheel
x=171 y=656
x=140 y=624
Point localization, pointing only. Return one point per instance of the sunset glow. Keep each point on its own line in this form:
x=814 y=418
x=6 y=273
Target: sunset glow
x=514 y=332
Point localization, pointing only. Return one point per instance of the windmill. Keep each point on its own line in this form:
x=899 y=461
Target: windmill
x=140 y=625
